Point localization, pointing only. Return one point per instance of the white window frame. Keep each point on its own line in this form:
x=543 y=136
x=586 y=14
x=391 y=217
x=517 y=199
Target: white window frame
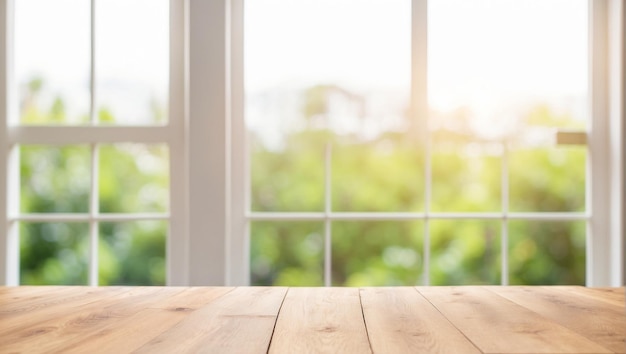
x=208 y=241
x=605 y=192
x=12 y=134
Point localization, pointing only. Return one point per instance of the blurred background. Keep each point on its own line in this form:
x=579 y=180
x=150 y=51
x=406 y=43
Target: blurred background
x=327 y=89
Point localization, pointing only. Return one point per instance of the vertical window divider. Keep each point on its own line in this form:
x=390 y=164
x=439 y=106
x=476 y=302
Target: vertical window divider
x=327 y=215
x=427 y=200
x=599 y=194
x=9 y=162
x=177 y=243
x=504 y=234
x=93 y=216
x=95 y=156
x=419 y=107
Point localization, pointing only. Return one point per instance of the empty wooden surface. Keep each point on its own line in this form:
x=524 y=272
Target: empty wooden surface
x=471 y=319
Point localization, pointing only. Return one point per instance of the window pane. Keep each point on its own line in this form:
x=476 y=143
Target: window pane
x=548 y=179
x=132 y=61
x=377 y=253
x=54 y=253
x=52 y=60
x=286 y=253
x=132 y=253
x=465 y=252
x=386 y=175
x=54 y=179
x=466 y=177
x=134 y=178
x=487 y=60
x=547 y=253
x=344 y=82
x=290 y=179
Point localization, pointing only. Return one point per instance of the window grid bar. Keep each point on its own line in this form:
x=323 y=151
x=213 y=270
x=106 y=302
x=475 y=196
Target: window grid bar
x=66 y=135
x=355 y=216
x=327 y=214
x=427 y=214
x=93 y=253
x=85 y=217
x=92 y=63
x=94 y=207
x=504 y=233
x=419 y=99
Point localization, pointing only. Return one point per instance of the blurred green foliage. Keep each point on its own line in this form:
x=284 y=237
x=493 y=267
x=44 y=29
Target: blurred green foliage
x=381 y=176
x=385 y=174
x=133 y=178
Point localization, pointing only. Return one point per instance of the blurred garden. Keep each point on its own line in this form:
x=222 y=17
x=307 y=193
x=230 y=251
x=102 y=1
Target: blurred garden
x=385 y=173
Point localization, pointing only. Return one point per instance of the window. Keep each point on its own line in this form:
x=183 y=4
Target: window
x=354 y=180
x=361 y=147
x=351 y=179
x=91 y=138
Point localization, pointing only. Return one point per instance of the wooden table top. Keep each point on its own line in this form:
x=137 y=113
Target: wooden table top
x=472 y=319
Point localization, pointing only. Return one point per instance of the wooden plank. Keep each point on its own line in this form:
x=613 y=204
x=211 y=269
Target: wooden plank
x=72 y=321
x=239 y=322
x=16 y=300
x=12 y=299
x=497 y=325
x=601 y=322
x=614 y=296
x=51 y=307
x=132 y=332
x=321 y=320
x=26 y=291
x=400 y=320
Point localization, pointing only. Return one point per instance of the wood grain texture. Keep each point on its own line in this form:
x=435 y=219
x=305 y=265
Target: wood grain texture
x=321 y=320
x=601 y=322
x=400 y=320
x=241 y=322
x=131 y=332
x=10 y=296
x=497 y=325
x=556 y=319
x=614 y=296
x=53 y=307
x=15 y=302
x=46 y=331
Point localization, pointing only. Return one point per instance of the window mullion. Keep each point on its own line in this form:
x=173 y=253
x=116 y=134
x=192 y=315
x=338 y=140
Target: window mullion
x=208 y=129
x=92 y=65
x=327 y=213
x=419 y=106
x=598 y=190
x=238 y=264
x=616 y=66
x=9 y=163
x=94 y=205
x=504 y=236
x=94 y=210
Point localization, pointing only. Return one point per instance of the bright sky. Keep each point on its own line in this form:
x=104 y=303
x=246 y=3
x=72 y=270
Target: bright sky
x=351 y=42
x=481 y=48
x=480 y=51
x=53 y=42
x=369 y=41
x=488 y=55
